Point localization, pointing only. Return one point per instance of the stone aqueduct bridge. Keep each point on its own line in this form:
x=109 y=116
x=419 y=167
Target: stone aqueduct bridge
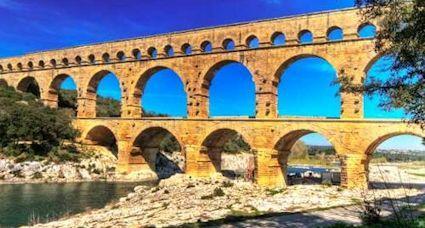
x=133 y=61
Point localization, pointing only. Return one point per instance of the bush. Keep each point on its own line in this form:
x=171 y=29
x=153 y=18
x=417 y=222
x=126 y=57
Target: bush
x=28 y=127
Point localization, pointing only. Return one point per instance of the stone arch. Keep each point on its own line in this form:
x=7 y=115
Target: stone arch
x=91 y=89
x=365 y=25
x=121 y=56
x=380 y=139
x=9 y=66
x=334 y=29
x=65 y=61
x=78 y=59
x=212 y=148
x=282 y=67
x=54 y=87
x=101 y=135
x=169 y=51
x=327 y=81
x=19 y=66
x=211 y=72
x=186 y=49
x=3 y=82
x=142 y=81
x=152 y=52
x=29 y=85
x=206 y=46
x=371 y=62
x=92 y=59
x=41 y=64
x=378 y=180
x=252 y=41
x=285 y=143
x=278 y=39
x=137 y=54
x=229 y=44
x=153 y=147
x=106 y=57
x=30 y=65
x=53 y=63
x=304 y=33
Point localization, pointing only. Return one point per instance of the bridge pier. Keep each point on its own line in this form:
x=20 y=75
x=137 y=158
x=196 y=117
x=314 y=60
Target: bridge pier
x=269 y=172
x=353 y=171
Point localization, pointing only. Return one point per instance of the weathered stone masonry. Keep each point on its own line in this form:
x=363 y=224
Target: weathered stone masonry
x=133 y=61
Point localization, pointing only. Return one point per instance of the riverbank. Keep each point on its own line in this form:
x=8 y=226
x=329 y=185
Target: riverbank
x=181 y=200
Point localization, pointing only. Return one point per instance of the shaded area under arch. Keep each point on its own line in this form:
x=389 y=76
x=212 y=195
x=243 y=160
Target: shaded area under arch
x=158 y=150
x=29 y=85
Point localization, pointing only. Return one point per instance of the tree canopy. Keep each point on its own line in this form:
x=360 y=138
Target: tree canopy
x=401 y=36
x=26 y=125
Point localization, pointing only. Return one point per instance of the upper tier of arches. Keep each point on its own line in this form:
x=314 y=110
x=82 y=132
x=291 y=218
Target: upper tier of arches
x=250 y=40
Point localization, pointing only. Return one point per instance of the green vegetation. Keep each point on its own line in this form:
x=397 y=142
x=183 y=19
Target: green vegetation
x=401 y=37
x=236 y=145
x=105 y=107
x=397 y=156
x=312 y=155
x=30 y=130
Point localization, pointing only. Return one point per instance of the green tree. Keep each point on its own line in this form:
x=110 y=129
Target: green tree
x=26 y=125
x=401 y=35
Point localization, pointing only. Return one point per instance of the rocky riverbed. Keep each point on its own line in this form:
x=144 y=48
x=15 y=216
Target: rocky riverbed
x=181 y=200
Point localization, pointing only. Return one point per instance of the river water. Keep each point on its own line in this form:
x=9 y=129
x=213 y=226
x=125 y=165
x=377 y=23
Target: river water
x=21 y=204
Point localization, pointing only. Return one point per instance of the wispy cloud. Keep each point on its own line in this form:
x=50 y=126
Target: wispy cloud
x=11 y=5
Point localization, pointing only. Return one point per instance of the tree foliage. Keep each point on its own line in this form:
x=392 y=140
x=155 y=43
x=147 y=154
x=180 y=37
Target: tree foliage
x=401 y=36
x=105 y=107
x=26 y=125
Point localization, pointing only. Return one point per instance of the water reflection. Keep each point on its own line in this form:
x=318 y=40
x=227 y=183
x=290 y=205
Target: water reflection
x=22 y=202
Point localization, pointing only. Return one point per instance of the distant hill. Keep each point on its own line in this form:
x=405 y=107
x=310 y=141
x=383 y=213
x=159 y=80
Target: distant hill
x=105 y=107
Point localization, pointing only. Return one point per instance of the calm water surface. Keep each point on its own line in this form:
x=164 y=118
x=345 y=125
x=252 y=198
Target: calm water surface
x=20 y=203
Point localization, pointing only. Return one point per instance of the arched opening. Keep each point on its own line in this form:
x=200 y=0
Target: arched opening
x=3 y=83
x=367 y=30
x=10 y=67
x=152 y=52
x=396 y=161
x=136 y=54
x=19 y=66
x=121 y=56
x=158 y=150
x=78 y=59
x=229 y=154
x=305 y=37
x=335 y=34
x=375 y=104
x=103 y=141
x=187 y=49
x=104 y=88
x=252 y=42
x=30 y=65
x=206 y=46
x=92 y=59
x=278 y=39
x=228 y=45
x=105 y=57
x=161 y=92
x=41 y=64
x=65 y=61
x=225 y=98
x=63 y=93
x=169 y=51
x=306 y=157
x=29 y=85
x=306 y=88
x=53 y=63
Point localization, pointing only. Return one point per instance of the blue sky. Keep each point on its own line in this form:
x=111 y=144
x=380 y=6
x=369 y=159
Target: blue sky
x=305 y=88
